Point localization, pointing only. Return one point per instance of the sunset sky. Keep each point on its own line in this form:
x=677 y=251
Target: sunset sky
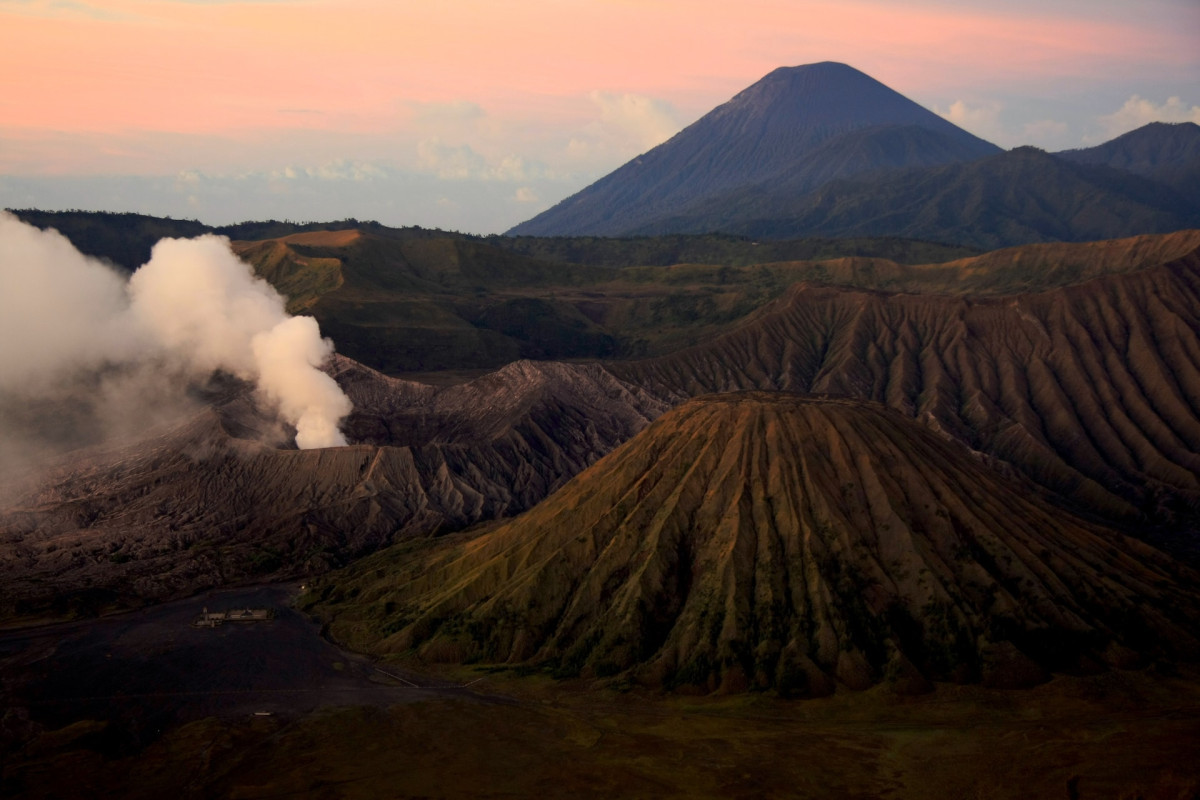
x=474 y=115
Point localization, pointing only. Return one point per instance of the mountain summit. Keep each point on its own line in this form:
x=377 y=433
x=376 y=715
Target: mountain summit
x=793 y=130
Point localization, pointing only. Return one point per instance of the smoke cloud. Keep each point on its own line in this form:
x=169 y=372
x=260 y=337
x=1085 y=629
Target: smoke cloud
x=196 y=298
x=59 y=311
x=71 y=328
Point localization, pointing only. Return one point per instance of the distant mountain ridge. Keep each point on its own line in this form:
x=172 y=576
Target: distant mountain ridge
x=1154 y=151
x=1024 y=195
x=782 y=128
x=1162 y=151
x=824 y=150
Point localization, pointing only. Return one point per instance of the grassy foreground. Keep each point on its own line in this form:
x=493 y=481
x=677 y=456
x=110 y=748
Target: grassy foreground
x=1119 y=735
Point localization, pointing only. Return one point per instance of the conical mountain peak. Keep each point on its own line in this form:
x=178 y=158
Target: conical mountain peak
x=771 y=132
x=786 y=541
x=815 y=100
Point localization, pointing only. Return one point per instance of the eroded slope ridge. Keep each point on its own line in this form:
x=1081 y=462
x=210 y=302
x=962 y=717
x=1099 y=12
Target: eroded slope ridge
x=773 y=540
x=1092 y=390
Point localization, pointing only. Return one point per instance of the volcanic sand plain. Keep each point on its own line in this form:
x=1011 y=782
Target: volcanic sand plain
x=145 y=705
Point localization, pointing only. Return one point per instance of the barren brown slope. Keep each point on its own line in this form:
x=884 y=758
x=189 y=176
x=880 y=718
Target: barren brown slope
x=774 y=540
x=211 y=503
x=1092 y=390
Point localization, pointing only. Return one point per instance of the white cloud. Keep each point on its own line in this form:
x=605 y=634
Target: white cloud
x=343 y=170
x=526 y=194
x=511 y=168
x=983 y=120
x=646 y=120
x=336 y=170
x=1139 y=111
x=999 y=124
x=462 y=162
x=449 y=162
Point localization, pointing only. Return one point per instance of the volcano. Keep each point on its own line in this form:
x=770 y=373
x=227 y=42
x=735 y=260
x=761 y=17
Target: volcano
x=795 y=129
x=777 y=540
x=825 y=150
x=216 y=499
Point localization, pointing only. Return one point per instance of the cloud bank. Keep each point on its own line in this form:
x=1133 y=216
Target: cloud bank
x=1139 y=111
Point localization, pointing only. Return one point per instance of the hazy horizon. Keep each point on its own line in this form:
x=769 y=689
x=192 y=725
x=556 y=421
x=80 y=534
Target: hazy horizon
x=473 y=116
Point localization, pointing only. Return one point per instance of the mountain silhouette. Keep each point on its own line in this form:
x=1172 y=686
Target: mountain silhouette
x=796 y=128
x=1166 y=152
x=824 y=150
x=1020 y=196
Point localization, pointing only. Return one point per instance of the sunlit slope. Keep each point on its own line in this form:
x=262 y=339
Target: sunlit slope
x=771 y=540
x=419 y=303
x=1092 y=390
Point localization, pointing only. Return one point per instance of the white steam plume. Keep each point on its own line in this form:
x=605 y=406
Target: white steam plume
x=286 y=357
x=59 y=311
x=195 y=297
x=192 y=309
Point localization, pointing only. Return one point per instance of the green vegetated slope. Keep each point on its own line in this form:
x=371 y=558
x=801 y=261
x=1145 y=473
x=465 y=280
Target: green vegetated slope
x=776 y=541
x=436 y=303
x=125 y=240
x=413 y=300
x=404 y=304
x=421 y=304
x=722 y=250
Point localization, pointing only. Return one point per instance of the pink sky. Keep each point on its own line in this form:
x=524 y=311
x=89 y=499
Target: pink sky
x=209 y=67
x=565 y=87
